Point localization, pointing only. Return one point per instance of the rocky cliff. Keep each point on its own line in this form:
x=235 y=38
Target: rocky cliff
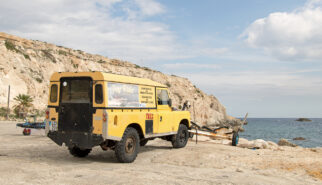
x=26 y=65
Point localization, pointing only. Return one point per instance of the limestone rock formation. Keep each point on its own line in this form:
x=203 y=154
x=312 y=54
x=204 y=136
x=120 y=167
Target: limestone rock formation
x=303 y=120
x=284 y=142
x=299 y=139
x=26 y=65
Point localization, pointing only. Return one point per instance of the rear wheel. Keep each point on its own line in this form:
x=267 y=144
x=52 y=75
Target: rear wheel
x=127 y=149
x=77 y=152
x=181 y=138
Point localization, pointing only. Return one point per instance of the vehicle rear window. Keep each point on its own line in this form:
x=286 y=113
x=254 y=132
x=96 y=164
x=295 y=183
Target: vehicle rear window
x=76 y=91
x=98 y=94
x=53 y=93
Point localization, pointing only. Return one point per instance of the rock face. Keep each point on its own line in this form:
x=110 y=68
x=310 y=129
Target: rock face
x=27 y=65
x=303 y=119
x=284 y=142
x=299 y=139
x=257 y=144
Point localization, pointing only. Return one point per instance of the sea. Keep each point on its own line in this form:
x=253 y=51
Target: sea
x=273 y=129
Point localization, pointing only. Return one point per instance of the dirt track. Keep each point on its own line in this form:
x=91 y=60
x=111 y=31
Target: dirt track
x=37 y=160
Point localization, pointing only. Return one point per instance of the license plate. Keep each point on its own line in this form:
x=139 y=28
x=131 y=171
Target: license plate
x=53 y=126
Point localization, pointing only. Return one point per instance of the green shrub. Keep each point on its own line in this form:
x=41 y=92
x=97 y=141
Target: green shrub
x=101 y=61
x=168 y=84
x=3 y=111
x=26 y=56
x=39 y=80
x=11 y=46
x=49 y=55
x=39 y=113
x=211 y=105
x=75 y=66
x=137 y=66
x=62 y=52
x=147 y=69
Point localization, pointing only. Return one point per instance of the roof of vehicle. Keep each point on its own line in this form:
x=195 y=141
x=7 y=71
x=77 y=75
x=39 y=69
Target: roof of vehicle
x=107 y=77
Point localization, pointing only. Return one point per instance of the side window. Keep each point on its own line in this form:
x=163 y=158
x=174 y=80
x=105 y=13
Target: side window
x=98 y=94
x=163 y=97
x=53 y=93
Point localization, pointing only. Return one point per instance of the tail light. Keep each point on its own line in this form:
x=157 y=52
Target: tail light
x=104 y=116
x=47 y=114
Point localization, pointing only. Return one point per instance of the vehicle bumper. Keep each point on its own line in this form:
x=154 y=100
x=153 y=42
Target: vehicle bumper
x=79 y=139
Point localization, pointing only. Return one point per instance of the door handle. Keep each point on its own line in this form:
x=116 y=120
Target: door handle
x=160 y=118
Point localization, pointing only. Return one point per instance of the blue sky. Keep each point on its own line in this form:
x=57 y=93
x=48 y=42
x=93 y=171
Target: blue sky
x=256 y=56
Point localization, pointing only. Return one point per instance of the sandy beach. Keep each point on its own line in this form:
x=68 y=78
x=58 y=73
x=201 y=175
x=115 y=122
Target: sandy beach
x=36 y=159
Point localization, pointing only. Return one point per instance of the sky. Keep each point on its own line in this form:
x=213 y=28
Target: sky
x=263 y=57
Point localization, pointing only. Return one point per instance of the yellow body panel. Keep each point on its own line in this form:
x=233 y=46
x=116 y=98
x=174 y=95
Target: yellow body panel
x=99 y=76
x=164 y=120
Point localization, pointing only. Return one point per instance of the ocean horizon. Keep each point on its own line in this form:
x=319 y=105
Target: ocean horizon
x=273 y=129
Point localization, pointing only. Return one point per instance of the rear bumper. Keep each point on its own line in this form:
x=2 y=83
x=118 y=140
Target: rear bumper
x=79 y=139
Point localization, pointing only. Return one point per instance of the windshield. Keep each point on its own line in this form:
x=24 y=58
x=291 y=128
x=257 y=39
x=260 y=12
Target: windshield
x=76 y=90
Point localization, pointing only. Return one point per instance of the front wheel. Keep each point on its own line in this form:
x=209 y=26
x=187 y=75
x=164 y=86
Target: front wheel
x=77 y=152
x=127 y=149
x=181 y=138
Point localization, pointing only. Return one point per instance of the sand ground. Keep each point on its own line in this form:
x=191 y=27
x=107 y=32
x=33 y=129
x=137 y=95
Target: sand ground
x=36 y=159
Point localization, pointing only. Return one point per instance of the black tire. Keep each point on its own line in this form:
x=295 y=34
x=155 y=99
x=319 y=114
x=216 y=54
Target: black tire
x=181 y=138
x=235 y=139
x=77 y=152
x=143 y=142
x=127 y=149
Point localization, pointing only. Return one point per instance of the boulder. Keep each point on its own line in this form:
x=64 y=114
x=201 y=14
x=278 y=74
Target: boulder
x=272 y=145
x=258 y=144
x=299 y=138
x=284 y=142
x=303 y=119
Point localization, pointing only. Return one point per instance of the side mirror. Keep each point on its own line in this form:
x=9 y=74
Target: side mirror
x=170 y=102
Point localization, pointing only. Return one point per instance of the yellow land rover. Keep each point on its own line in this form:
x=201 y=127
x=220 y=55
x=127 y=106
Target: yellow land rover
x=122 y=113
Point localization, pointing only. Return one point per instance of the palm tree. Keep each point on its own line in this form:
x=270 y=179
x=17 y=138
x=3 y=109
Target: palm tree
x=24 y=102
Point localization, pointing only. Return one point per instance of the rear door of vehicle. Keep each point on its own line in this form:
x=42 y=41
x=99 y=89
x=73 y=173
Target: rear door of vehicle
x=76 y=107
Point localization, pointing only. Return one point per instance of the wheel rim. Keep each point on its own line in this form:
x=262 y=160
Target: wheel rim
x=182 y=136
x=130 y=145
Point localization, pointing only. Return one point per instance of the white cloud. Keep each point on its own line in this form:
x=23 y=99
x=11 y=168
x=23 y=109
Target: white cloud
x=214 y=52
x=289 y=35
x=186 y=66
x=94 y=26
x=260 y=83
x=150 y=7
